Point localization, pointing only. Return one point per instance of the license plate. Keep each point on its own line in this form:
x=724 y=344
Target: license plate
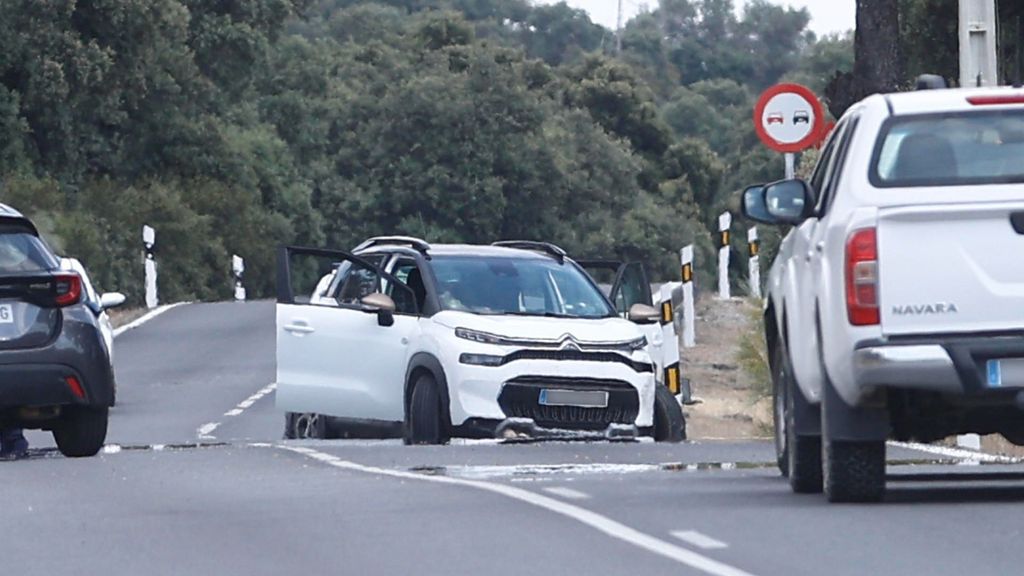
x=580 y=398
x=6 y=314
x=1005 y=373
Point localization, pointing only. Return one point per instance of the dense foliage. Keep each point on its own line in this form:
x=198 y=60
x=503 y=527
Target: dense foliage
x=232 y=126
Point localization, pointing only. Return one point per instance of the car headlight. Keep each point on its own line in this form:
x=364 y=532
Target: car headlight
x=477 y=336
x=481 y=359
x=638 y=344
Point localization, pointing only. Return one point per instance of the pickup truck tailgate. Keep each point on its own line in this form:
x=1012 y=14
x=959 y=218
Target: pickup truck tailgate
x=951 y=268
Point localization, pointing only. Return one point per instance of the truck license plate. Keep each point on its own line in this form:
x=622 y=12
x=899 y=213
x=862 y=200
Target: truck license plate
x=1005 y=373
x=581 y=398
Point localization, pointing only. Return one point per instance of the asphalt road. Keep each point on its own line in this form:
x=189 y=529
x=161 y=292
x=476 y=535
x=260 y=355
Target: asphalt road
x=196 y=480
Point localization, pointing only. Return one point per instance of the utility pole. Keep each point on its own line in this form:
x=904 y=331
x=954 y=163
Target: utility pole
x=978 y=65
x=619 y=30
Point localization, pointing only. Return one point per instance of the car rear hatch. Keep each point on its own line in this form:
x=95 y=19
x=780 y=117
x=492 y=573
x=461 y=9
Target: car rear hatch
x=32 y=290
x=952 y=268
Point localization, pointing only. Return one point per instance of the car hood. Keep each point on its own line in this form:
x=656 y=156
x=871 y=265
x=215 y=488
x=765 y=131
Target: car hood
x=596 y=330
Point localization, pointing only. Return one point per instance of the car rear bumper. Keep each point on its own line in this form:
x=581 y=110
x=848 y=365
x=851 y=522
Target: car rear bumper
x=33 y=385
x=955 y=366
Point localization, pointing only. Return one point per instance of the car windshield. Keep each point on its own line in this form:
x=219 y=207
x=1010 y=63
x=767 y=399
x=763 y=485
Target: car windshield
x=951 y=150
x=517 y=286
x=23 y=252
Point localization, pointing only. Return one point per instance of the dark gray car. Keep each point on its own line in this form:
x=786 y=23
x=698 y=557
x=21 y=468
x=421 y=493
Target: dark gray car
x=55 y=371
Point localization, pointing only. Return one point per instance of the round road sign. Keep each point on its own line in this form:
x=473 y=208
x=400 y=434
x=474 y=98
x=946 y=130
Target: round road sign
x=788 y=118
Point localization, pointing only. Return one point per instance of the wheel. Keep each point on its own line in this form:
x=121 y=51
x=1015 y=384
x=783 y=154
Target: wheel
x=669 y=422
x=798 y=456
x=81 y=432
x=854 y=471
x=425 y=423
x=305 y=425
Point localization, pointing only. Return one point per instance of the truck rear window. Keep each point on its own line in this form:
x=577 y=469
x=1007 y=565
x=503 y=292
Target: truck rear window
x=951 y=150
x=23 y=252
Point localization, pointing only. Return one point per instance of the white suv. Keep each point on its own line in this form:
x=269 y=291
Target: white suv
x=895 y=306
x=451 y=340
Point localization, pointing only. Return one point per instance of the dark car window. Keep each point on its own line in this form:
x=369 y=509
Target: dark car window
x=521 y=286
x=22 y=252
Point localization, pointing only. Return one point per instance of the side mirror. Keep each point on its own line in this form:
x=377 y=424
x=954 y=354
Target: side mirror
x=383 y=305
x=784 y=202
x=643 y=314
x=111 y=300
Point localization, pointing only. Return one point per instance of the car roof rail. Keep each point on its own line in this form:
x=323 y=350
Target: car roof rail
x=416 y=244
x=545 y=247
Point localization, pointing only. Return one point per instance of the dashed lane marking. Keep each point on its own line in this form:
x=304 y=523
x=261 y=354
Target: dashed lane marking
x=586 y=517
x=248 y=402
x=699 y=540
x=567 y=493
x=205 y=432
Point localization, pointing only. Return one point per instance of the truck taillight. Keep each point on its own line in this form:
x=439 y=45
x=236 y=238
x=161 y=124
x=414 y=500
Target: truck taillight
x=69 y=289
x=862 y=278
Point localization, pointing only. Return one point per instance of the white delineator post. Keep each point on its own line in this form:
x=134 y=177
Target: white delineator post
x=670 y=349
x=724 y=223
x=689 y=322
x=978 y=63
x=754 y=246
x=149 y=242
x=237 y=268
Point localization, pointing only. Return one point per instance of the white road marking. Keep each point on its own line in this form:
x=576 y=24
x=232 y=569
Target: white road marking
x=248 y=402
x=111 y=449
x=146 y=318
x=206 y=430
x=567 y=493
x=596 y=521
x=699 y=540
x=969 y=456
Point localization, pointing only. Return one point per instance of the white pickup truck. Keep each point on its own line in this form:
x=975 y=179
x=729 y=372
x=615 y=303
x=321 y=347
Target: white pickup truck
x=895 y=306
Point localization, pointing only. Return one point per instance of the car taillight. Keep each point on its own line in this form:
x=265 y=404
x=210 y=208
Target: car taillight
x=862 y=278
x=69 y=289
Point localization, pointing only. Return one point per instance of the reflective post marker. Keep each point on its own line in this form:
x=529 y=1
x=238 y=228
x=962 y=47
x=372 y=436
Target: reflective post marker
x=670 y=349
x=689 y=332
x=754 y=247
x=237 y=268
x=724 y=223
x=149 y=244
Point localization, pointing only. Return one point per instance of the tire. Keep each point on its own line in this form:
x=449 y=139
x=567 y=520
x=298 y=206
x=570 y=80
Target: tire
x=81 y=432
x=798 y=456
x=669 y=422
x=305 y=425
x=425 y=423
x=854 y=471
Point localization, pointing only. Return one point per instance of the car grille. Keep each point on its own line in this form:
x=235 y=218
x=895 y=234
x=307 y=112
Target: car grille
x=577 y=356
x=520 y=397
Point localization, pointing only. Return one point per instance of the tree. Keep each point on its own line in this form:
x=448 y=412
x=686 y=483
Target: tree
x=878 y=66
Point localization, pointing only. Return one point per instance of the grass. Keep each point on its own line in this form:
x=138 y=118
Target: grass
x=752 y=356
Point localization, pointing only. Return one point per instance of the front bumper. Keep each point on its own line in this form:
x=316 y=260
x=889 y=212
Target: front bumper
x=510 y=391
x=954 y=366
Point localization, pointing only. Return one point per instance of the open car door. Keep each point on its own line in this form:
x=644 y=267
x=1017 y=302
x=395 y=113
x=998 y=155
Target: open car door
x=341 y=343
x=627 y=284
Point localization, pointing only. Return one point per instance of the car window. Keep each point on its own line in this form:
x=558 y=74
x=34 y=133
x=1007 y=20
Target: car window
x=521 y=286
x=354 y=282
x=821 y=168
x=838 y=161
x=408 y=273
x=23 y=252
x=633 y=288
x=340 y=275
x=950 y=150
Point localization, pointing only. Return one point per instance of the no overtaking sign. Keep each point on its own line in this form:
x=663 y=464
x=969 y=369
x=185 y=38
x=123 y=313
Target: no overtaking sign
x=789 y=118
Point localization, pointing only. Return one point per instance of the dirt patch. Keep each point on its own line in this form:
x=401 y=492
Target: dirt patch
x=121 y=316
x=733 y=407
